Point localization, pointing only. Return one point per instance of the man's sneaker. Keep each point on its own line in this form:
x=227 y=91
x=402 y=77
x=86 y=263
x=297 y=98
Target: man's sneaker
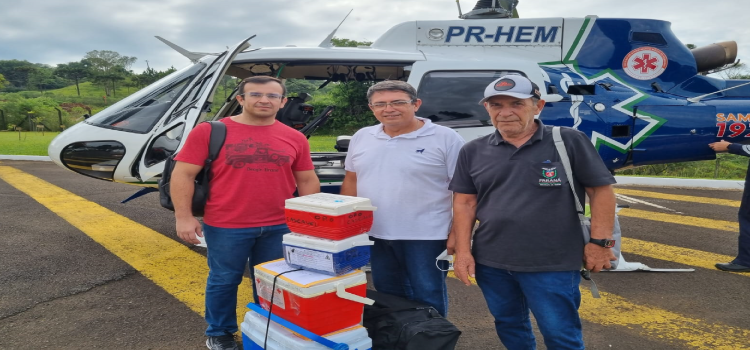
x=222 y=342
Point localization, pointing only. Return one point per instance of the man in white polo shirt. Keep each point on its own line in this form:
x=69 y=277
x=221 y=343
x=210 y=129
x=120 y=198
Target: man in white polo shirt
x=404 y=165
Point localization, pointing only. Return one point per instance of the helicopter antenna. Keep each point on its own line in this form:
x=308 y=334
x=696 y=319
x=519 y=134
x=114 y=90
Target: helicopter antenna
x=327 y=41
x=460 y=15
x=492 y=9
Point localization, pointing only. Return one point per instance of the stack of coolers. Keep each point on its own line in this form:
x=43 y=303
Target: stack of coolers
x=329 y=242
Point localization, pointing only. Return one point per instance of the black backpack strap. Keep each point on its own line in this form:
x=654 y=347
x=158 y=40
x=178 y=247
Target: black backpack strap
x=215 y=143
x=216 y=140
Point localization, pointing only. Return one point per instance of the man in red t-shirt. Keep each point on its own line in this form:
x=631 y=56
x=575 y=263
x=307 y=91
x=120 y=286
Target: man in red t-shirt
x=261 y=164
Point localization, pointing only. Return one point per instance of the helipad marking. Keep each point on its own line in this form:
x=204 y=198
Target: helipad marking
x=657 y=323
x=723 y=225
x=169 y=264
x=677 y=197
x=685 y=256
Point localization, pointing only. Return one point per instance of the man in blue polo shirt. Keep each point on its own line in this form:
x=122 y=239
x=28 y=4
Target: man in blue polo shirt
x=528 y=248
x=404 y=165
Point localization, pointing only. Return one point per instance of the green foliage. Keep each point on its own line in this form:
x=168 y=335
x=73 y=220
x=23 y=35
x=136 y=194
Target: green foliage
x=16 y=73
x=36 y=144
x=107 y=68
x=25 y=143
x=75 y=71
x=352 y=111
x=3 y=82
x=726 y=166
x=341 y=42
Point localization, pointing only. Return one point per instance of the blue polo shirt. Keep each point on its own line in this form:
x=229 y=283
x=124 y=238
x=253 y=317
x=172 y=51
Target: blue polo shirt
x=526 y=210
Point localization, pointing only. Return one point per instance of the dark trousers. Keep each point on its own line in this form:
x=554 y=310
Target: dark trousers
x=743 y=255
x=408 y=269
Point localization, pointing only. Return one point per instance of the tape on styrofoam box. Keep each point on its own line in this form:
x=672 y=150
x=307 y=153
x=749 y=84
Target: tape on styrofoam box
x=317 y=302
x=326 y=256
x=280 y=338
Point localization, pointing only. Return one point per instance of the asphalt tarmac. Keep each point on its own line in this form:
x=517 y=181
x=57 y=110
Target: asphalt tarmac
x=60 y=289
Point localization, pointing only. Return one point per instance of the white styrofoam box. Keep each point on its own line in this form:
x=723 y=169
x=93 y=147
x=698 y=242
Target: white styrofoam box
x=329 y=204
x=280 y=338
x=329 y=245
x=325 y=255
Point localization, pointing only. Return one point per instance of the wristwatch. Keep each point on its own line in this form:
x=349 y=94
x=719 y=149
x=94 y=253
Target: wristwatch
x=606 y=243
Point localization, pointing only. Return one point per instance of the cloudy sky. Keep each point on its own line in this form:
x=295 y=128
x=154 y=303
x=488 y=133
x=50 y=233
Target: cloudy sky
x=51 y=32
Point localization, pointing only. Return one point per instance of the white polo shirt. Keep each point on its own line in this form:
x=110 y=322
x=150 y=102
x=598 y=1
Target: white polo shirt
x=407 y=178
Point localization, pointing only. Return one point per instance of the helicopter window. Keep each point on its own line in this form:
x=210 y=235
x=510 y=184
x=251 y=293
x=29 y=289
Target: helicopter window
x=582 y=90
x=140 y=111
x=620 y=131
x=197 y=89
x=650 y=38
x=450 y=98
x=164 y=145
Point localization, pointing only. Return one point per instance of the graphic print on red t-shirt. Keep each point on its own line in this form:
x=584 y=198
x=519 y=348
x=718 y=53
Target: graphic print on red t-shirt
x=253 y=174
x=247 y=151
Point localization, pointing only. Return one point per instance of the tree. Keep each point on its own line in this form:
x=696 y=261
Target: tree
x=735 y=71
x=74 y=71
x=16 y=73
x=3 y=82
x=341 y=42
x=107 y=67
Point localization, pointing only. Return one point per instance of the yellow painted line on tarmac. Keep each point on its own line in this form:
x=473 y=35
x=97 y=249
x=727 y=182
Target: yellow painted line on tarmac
x=169 y=264
x=677 y=197
x=656 y=323
x=723 y=225
x=685 y=256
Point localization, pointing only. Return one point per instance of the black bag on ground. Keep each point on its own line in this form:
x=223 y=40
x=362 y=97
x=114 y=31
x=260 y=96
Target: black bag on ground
x=400 y=324
x=200 y=194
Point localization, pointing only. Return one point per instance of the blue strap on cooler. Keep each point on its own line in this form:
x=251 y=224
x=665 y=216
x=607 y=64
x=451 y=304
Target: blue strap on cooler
x=297 y=329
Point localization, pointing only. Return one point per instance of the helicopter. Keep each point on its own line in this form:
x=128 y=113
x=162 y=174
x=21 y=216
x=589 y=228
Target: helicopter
x=639 y=93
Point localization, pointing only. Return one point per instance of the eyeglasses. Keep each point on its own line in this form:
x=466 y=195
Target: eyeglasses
x=258 y=95
x=394 y=104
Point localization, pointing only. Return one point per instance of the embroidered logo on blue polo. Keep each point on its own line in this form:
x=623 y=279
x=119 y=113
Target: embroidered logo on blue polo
x=549 y=178
x=420 y=151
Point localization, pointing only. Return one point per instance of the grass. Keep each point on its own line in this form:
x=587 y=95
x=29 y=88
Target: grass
x=35 y=144
x=25 y=143
x=730 y=166
x=90 y=90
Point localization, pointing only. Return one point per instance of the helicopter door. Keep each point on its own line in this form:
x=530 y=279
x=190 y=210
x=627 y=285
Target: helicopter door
x=193 y=105
x=673 y=134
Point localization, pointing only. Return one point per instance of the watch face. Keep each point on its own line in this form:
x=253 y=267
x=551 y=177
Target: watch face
x=609 y=243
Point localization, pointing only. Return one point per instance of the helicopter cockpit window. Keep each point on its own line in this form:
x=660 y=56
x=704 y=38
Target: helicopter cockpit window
x=451 y=98
x=140 y=111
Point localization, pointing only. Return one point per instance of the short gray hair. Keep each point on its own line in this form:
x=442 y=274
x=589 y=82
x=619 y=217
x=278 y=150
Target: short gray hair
x=392 y=85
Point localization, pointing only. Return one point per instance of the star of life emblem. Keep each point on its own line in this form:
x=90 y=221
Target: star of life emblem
x=645 y=63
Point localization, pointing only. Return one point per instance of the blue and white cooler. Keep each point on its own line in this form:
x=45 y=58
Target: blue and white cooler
x=281 y=338
x=326 y=256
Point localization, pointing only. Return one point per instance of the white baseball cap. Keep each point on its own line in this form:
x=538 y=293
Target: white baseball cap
x=513 y=85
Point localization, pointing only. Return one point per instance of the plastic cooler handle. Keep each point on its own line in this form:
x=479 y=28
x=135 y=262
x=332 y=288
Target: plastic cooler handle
x=363 y=243
x=365 y=208
x=343 y=294
x=295 y=328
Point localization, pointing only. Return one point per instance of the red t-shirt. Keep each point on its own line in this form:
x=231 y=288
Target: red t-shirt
x=253 y=174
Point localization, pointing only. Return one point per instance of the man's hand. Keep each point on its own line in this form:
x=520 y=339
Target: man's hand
x=188 y=229
x=596 y=258
x=451 y=244
x=463 y=267
x=721 y=146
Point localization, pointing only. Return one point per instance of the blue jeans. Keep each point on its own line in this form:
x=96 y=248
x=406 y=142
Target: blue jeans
x=553 y=297
x=229 y=250
x=406 y=268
